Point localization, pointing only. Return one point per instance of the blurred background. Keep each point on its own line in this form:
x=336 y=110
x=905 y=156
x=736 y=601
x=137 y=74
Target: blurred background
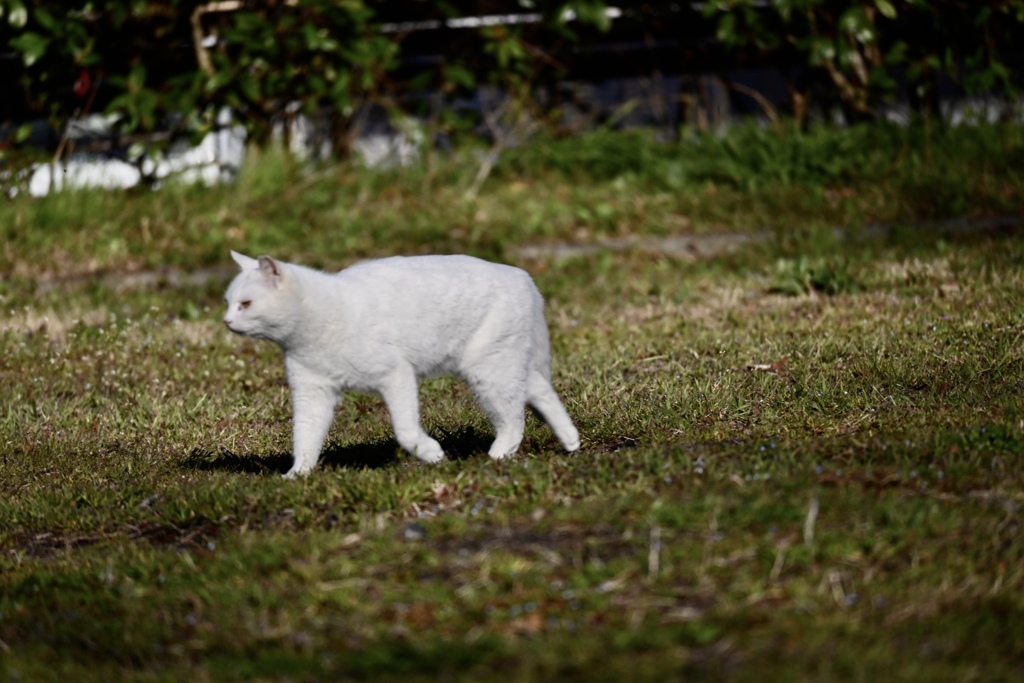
x=119 y=94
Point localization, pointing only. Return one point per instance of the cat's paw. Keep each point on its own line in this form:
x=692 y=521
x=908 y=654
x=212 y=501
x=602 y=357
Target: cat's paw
x=500 y=452
x=569 y=437
x=500 y=455
x=430 y=452
x=298 y=471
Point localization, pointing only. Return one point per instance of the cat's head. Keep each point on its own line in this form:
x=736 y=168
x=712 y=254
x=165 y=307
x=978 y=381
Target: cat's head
x=260 y=301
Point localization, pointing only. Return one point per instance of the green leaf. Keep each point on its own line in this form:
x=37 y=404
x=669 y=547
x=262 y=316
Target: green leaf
x=421 y=81
x=45 y=19
x=855 y=22
x=137 y=77
x=218 y=80
x=23 y=133
x=727 y=29
x=119 y=104
x=591 y=12
x=881 y=79
x=249 y=22
x=313 y=37
x=250 y=87
x=317 y=85
x=897 y=53
x=509 y=51
x=31 y=45
x=458 y=75
x=886 y=8
x=822 y=50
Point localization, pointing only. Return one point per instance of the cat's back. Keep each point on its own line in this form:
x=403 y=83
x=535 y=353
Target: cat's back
x=426 y=273
x=429 y=310
x=438 y=301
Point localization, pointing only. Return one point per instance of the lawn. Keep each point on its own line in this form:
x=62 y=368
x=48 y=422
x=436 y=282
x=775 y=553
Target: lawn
x=801 y=450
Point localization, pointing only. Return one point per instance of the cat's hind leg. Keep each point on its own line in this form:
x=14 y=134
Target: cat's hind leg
x=543 y=398
x=401 y=395
x=503 y=398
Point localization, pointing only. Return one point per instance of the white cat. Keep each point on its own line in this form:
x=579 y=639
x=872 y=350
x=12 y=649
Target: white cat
x=381 y=325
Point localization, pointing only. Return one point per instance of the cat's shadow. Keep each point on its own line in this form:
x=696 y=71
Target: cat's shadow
x=458 y=445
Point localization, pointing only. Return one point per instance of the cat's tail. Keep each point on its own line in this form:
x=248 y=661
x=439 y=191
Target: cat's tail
x=543 y=398
x=541 y=361
x=541 y=395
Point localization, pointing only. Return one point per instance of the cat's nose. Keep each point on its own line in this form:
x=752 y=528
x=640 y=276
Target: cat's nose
x=227 y=323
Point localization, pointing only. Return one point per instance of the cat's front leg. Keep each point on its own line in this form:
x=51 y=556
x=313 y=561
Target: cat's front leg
x=312 y=414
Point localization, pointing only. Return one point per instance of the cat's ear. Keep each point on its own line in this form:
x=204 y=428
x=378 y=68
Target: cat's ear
x=271 y=270
x=245 y=262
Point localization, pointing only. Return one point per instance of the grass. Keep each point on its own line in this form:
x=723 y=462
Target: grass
x=800 y=460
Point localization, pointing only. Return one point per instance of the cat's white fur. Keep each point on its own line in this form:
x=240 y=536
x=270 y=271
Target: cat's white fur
x=381 y=325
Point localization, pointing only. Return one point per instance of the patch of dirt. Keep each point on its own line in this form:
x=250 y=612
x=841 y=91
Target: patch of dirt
x=38 y=545
x=168 y=278
x=697 y=247
x=681 y=246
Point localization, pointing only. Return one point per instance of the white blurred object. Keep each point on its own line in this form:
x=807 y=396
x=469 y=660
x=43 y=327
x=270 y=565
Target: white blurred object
x=215 y=159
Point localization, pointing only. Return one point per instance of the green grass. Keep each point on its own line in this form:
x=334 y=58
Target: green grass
x=801 y=461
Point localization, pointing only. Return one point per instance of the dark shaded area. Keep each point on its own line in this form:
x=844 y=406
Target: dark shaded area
x=204 y=460
x=458 y=445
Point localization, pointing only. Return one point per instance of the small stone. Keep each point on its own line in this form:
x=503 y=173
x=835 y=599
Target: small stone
x=414 y=531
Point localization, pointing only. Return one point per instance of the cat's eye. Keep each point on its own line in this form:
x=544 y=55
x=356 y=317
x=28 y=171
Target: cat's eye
x=245 y=304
